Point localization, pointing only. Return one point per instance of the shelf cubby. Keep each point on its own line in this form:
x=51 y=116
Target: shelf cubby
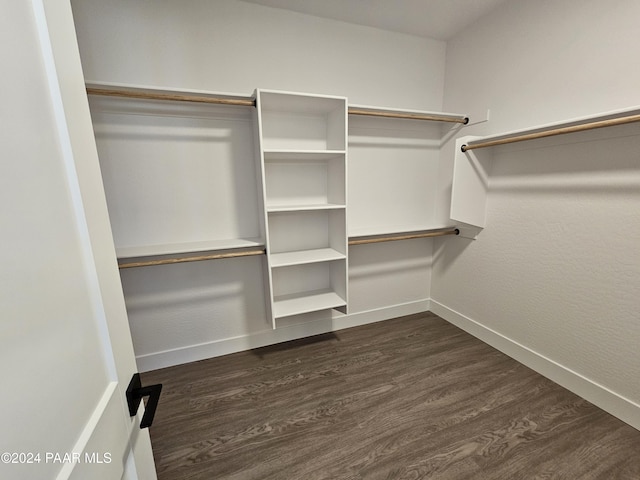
x=295 y=179
x=308 y=288
x=296 y=121
x=307 y=302
x=302 y=257
x=307 y=230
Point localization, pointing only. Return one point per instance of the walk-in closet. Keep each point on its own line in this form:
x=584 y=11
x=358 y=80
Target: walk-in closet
x=278 y=239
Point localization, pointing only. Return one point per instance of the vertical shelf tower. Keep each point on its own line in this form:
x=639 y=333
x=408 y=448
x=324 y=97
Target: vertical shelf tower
x=303 y=168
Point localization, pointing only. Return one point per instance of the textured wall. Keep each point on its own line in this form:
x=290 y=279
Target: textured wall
x=557 y=269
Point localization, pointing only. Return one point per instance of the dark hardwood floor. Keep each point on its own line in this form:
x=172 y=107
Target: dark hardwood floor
x=409 y=398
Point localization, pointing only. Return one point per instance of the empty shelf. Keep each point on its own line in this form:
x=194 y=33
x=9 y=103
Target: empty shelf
x=306 y=302
x=303 y=207
x=188 y=247
x=302 y=257
x=301 y=155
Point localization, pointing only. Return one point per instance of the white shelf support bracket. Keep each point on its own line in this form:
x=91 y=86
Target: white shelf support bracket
x=471 y=171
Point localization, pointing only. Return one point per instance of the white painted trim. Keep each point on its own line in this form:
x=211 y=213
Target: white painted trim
x=88 y=431
x=193 y=353
x=610 y=401
x=67 y=145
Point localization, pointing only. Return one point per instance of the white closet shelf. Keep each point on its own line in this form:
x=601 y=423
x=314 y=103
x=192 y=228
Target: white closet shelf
x=437 y=232
x=303 y=257
x=365 y=232
x=313 y=104
x=304 y=207
x=472 y=170
x=407 y=114
x=146 y=92
x=187 y=247
x=292 y=155
x=305 y=302
x=590 y=122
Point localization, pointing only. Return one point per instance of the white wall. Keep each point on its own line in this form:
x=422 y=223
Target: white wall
x=232 y=46
x=182 y=313
x=554 y=277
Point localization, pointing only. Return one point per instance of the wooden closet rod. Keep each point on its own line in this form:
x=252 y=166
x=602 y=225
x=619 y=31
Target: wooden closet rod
x=412 y=116
x=406 y=236
x=195 y=258
x=612 y=122
x=214 y=256
x=179 y=97
x=251 y=102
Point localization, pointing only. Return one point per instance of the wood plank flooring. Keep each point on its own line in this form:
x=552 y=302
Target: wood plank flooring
x=408 y=398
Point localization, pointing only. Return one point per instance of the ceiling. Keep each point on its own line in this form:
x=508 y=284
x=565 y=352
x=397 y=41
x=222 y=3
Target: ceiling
x=439 y=19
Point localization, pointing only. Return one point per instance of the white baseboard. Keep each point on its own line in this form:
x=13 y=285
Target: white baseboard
x=609 y=401
x=193 y=353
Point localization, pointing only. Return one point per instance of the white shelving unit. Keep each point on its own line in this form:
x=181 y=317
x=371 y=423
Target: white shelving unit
x=303 y=165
